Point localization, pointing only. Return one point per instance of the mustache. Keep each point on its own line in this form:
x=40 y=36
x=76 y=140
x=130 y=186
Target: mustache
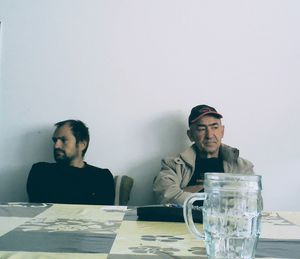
x=58 y=150
x=209 y=141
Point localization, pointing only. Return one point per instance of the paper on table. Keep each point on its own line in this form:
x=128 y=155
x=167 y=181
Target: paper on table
x=115 y=208
x=281 y=226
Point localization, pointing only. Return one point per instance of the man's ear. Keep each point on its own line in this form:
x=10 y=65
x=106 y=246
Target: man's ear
x=82 y=145
x=223 y=129
x=190 y=135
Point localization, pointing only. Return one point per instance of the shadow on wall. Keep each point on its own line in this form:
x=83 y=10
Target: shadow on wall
x=167 y=136
x=13 y=184
x=33 y=146
x=37 y=146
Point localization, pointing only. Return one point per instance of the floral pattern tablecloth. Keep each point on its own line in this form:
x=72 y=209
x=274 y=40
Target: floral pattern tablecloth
x=88 y=231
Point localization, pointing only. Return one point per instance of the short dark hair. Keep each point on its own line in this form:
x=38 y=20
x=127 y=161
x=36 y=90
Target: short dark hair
x=79 y=130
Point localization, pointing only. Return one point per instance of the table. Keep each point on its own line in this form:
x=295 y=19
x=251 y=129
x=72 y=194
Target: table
x=57 y=231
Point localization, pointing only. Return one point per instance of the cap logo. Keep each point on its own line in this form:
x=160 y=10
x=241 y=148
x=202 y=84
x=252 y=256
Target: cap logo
x=204 y=110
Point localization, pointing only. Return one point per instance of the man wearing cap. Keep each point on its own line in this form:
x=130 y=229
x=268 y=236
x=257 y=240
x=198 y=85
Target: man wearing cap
x=183 y=175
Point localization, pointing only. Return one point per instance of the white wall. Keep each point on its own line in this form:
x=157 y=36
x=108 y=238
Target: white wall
x=132 y=70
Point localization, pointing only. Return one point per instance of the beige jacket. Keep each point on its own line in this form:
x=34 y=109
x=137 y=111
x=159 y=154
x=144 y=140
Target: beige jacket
x=176 y=173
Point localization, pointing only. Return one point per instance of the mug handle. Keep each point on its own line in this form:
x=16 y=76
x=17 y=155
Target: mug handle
x=188 y=216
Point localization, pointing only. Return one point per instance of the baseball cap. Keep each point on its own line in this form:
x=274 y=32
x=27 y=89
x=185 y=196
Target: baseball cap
x=200 y=111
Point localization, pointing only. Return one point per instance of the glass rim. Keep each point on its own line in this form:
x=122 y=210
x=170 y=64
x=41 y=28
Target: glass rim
x=230 y=176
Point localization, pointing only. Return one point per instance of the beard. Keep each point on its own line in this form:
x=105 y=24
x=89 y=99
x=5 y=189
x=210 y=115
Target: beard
x=61 y=157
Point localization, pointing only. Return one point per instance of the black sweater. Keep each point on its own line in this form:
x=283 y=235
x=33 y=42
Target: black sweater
x=55 y=183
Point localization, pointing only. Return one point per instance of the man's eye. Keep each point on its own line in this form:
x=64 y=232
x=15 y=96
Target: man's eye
x=201 y=129
x=63 y=140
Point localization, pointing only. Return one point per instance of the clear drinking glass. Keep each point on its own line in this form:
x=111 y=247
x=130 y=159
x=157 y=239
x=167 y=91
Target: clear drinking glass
x=231 y=215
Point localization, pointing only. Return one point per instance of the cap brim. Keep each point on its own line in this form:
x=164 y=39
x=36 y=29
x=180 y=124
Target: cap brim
x=218 y=115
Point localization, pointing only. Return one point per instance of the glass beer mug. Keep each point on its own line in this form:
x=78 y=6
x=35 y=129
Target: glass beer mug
x=232 y=206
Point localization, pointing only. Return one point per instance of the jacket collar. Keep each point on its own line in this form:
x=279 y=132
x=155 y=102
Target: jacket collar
x=228 y=153
x=189 y=155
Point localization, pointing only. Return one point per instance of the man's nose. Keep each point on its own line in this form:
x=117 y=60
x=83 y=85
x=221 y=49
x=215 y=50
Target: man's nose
x=209 y=133
x=57 y=144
